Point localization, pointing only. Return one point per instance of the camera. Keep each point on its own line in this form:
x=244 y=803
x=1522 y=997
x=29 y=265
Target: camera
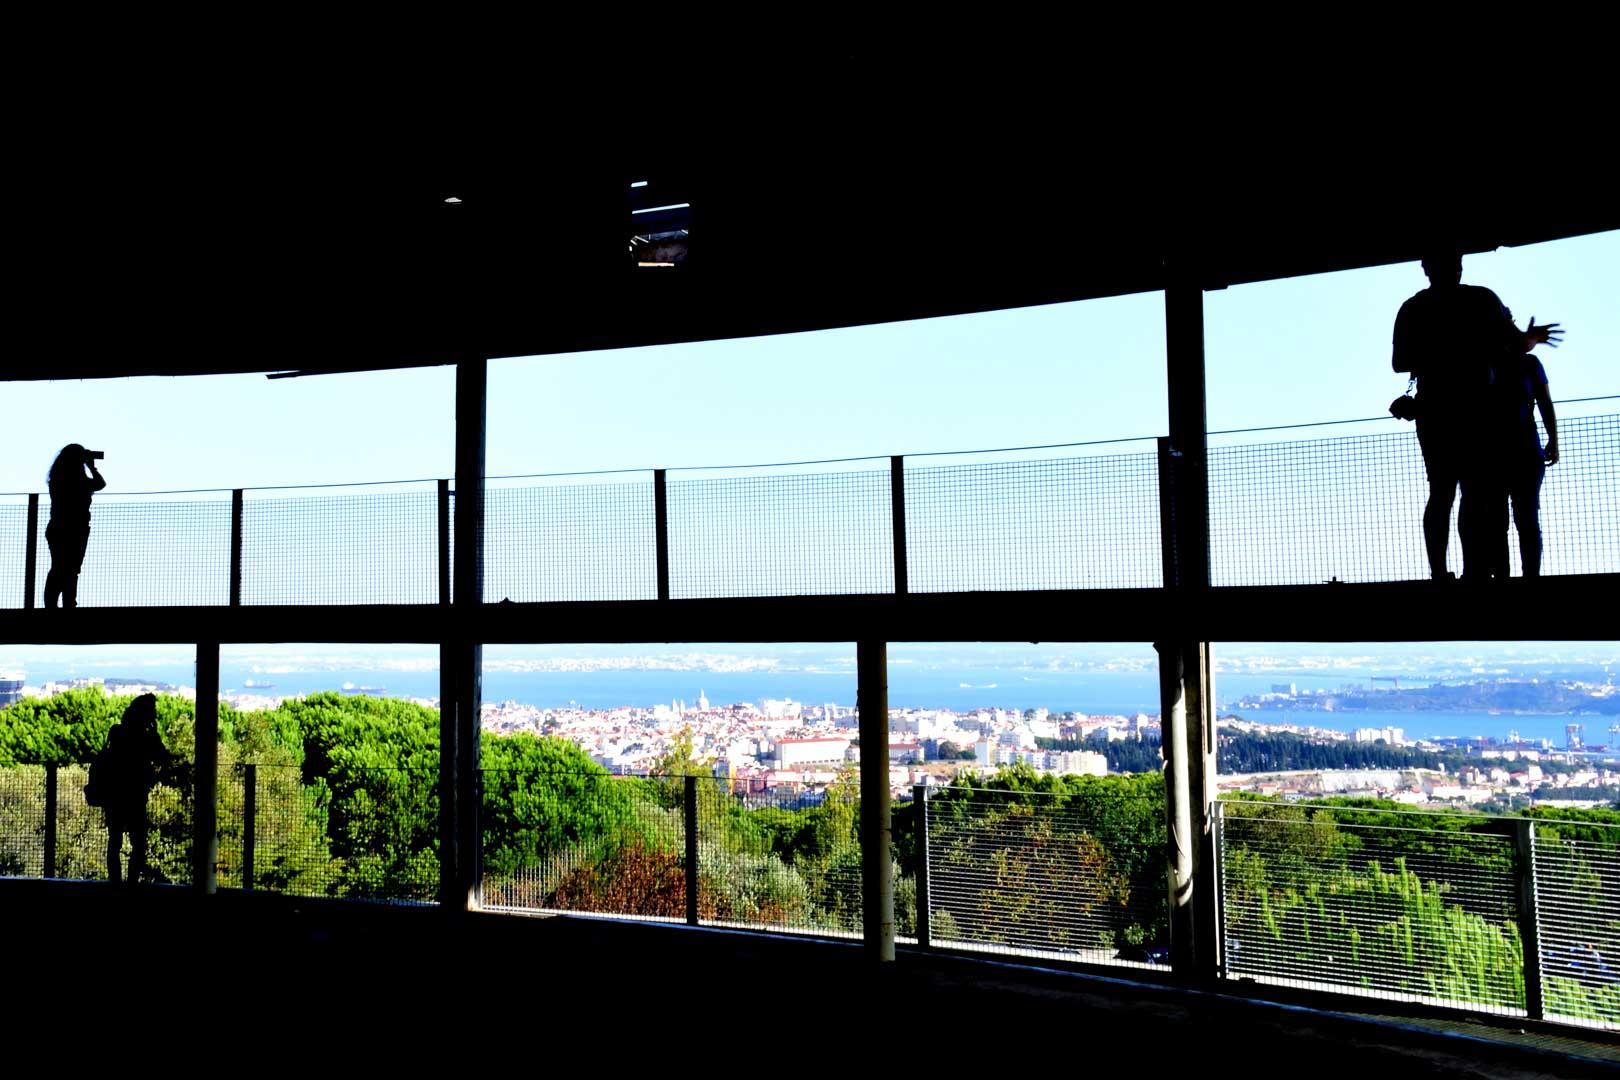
x=94 y=455
x=1405 y=408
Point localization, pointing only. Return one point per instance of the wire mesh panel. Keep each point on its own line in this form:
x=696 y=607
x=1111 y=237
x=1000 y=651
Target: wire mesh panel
x=1304 y=512
x=1072 y=523
x=787 y=534
x=148 y=550
x=22 y=821
x=1580 y=500
x=583 y=842
x=1406 y=906
x=292 y=849
x=13 y=550
x=375 y=547
x=1578 y=921
x=570 y=541
x=1297 y=513
x=1073 y=876
x=779 y=860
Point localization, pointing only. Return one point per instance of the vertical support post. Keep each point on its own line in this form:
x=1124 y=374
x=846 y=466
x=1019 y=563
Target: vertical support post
x=692 y=883
x=877 y=872
x=49 y=869
x=925 y=903
x=1184 y=368
x=661 y=527
x=1524 y=866
x=1187 y=721
x=236 y=548
x=205 y=782
x=461 y=657
x=250 y=822
x=31 y=556
x=444 y=541
x=897 y=513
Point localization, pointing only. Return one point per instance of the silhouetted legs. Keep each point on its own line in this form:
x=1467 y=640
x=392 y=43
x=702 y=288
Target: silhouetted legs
x=1440 y=459
x=67 y=558
x=135 y=827
x=1524 y=489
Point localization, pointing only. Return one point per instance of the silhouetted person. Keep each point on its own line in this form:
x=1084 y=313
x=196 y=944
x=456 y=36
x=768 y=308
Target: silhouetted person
x=68 y=532
x=1452 y=338
x=1522 y=461
x=124 y=774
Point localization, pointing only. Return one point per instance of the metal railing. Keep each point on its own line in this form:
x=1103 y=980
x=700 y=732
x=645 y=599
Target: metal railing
x=48 y=830
x=1511 y=916
x=1299 y=512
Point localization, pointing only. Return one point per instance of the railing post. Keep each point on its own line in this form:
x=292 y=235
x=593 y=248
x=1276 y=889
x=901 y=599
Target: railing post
x=897 y=514
x=924 y=901
x=31 y=558
x=250 y=817
x=49 y=869
x=661 y=531
x=236 y=548
x=690 y=801
x=1167 y=514
x=444 y=541
x=877 y=872
x=205 y=779
x=1524 y=868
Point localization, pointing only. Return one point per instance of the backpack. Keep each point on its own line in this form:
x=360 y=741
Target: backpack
x=103 y=769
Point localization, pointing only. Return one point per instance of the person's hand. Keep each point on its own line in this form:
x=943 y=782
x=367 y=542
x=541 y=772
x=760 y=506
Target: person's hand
x=1550 y=454
x=1550 y=335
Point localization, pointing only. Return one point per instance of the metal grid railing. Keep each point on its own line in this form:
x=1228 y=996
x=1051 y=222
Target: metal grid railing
x=788 y=534
x=1282 y=513
x=1577 y=869
x=22 y=821
x=583 y=843
x=362 y=833
x=147 y=551
x=1069 y=523
x=371 y=548
x=1076 y=877
x=13 y=551
x=758 y=870
x=1294 y=513
x=1414 y=907
x=570 y=541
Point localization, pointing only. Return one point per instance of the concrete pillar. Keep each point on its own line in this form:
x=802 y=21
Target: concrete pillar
x=877 y=869
x=205 y=779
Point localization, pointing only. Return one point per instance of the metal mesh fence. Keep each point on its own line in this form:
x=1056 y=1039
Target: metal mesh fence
x=1405 y=906
x=789 y=534
x=585 y=843
x=147 y=551
x=362 y=833
x=22 y=821
x=1578 y=921
x=570 y=541
x=757 y=869
x=379 y=547
x=1072 y=523
x=13 y=551
x=1304 y=512
x=1076 y=877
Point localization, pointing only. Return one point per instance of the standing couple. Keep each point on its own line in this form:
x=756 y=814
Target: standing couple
x=1478 y=386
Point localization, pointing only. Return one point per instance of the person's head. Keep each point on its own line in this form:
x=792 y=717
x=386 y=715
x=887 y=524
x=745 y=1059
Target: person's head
x=1443 y=264
x=142 y=712
x=68 y=463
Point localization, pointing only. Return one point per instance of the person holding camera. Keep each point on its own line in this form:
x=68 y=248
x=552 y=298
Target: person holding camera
x=1452 y=338
x=68 y=532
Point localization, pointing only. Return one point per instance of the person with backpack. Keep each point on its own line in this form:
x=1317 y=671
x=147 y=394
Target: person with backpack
x=122 y=777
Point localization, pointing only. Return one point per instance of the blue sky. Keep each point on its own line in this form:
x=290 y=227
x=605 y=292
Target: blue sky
x=1304 y=349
